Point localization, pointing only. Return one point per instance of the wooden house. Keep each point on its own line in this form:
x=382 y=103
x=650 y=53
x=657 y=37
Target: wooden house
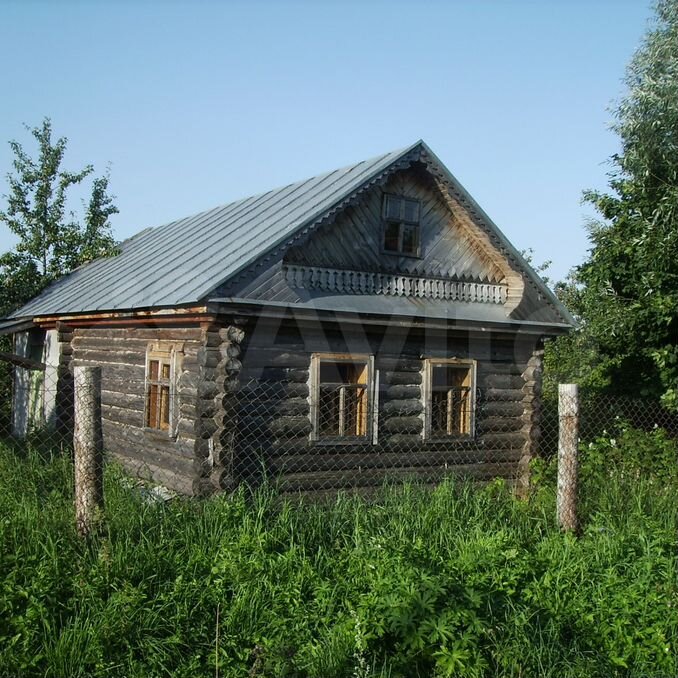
x=366 y=324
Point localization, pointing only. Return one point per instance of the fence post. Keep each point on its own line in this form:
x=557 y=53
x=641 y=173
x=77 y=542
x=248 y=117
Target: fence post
x=568 y=463
x=88 y=448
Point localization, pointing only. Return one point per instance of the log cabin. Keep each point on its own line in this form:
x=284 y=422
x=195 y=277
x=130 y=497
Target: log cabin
x=366 y=325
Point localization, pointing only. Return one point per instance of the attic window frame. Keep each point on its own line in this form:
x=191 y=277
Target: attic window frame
x=402 y=223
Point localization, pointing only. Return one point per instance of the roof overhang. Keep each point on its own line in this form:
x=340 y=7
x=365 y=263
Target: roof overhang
x=316 y=311
x=16 y=325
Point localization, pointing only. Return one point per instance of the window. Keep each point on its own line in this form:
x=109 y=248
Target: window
x=340 y=397
x=450 y=398
x=160 y=388
x=401 y=231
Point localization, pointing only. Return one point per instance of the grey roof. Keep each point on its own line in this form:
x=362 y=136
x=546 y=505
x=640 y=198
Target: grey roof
x=181 y=262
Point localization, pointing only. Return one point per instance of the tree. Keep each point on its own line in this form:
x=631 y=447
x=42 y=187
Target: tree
x=52 y=241
x=626 y=293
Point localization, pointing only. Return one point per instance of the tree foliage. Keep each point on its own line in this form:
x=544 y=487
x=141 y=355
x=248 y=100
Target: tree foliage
x=626 y=293
x=52 y=240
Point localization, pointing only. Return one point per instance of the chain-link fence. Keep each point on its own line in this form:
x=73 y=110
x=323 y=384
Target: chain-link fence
x=346 y=430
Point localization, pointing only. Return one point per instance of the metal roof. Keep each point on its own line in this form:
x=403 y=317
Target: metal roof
x=181 y=262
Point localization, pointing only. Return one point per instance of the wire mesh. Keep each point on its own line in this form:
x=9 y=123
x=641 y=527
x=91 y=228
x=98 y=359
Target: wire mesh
x=197 y=436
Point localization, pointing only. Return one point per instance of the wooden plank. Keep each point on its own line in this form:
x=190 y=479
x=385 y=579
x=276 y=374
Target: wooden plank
x=401 y=378
x=500 y=440
x=21 y=361
x=398 y=364
x=146 y=333
x=402 y=407
x=110 y=357
x=122 y=415
x=501 y=381
x=318 y=462
x=259 y=356
x=501 y=409
x=499 y=424
x=401 y=425
x=103 y=343
x=372 y=477
x=142 y=439
x=400 y=392
x=128 y=400
x=253 y=391
x=267 y=374
x=502 y=394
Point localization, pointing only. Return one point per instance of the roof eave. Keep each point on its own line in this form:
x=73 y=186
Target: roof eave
x=279 y=309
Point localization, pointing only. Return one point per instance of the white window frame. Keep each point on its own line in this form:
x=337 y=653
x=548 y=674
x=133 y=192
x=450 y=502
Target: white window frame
x=168 y=353
x=314 y=398
x=427 y=393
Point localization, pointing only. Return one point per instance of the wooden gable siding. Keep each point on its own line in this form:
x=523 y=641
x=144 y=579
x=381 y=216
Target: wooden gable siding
x=121 y=354
x=354 y=239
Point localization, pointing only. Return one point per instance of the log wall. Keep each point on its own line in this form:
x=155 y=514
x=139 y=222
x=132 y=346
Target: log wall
x=121 y=353
x=244 y=406
x=274 y=411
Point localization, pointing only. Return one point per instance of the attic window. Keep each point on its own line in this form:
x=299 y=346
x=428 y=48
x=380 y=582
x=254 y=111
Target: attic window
x=401 y=228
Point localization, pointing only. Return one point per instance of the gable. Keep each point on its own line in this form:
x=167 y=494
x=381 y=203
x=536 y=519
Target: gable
x=343 y=261
x=354 y=241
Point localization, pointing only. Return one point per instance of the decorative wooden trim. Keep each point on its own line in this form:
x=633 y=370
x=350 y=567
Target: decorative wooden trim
x=367 y=282
x=300 y=236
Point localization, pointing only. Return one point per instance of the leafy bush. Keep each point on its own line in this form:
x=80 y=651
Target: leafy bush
x=458 y=581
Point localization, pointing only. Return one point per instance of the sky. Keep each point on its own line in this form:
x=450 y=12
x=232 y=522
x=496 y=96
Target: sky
x=194 y=104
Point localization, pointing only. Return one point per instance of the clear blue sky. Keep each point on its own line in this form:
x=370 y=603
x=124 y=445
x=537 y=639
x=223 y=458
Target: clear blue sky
x=198 y=103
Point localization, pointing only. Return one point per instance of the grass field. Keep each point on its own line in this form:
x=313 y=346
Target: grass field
x=459 y=581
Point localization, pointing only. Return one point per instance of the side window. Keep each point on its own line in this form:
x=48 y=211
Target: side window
x=449 y=398
x=401 y=227
x=341 y=397
x=161 y=375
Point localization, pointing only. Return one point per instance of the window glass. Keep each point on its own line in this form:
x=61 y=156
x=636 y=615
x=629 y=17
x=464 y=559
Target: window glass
x=410 y=239
x=393 y=207
x=392 y=237
x=401 y=227
x=342 y=393
x=450 y=399
x=158 y=390
x=411 y=211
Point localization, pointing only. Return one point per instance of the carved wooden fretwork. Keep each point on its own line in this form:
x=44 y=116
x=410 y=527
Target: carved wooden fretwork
x=366 y=282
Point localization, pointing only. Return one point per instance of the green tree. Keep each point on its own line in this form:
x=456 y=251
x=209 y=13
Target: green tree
x=52 y=240
x=626 y=293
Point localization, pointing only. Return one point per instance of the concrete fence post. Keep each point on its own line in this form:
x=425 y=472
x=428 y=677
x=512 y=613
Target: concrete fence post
x=568 y=462
x=88 y=448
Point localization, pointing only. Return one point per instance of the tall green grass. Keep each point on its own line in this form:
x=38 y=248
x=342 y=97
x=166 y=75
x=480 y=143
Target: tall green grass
x=459 y=581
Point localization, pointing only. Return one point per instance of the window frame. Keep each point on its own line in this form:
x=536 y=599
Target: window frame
x=427 y=394
x=164 y=354
x=314 y=398
x=402 y=224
